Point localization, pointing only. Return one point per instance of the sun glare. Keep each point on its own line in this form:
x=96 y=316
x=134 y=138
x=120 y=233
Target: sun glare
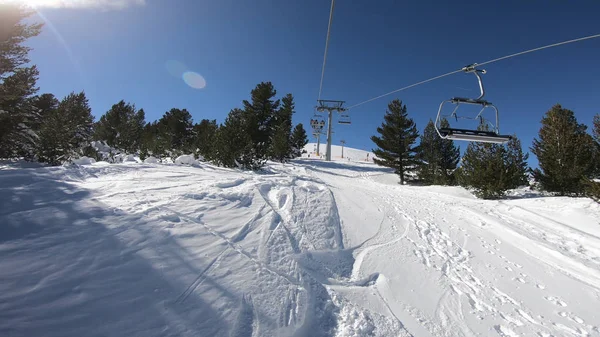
x=194 y=80
x=114 y=4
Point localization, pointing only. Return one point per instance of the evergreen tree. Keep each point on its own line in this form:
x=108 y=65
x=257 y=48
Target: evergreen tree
x=176 y=126
x=234 y=146
x=484 y=169
x=437 y=157
x=596 y=129
x=298 y=140
x=17 y=83
x=121 y=127
x=492 y=169
x=205 y=134
x=596 y=133
x=153 y=142
x=517 y=168
x=396 y=144
x=67 y=130
x=258 y=119
x=564 y=151
x=45 y=104
x=429 y=154
x=281 y=146
x=449 y=158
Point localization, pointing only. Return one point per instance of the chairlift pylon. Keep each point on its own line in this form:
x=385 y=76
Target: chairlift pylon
x=485 y=136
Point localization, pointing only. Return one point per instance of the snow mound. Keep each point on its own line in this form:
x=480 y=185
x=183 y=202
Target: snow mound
x=186 y=160
x=83 y=161
x=151 y=160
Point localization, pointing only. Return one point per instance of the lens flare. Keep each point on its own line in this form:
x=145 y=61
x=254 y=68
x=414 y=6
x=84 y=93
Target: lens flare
x=176 y=68
x=194 y=80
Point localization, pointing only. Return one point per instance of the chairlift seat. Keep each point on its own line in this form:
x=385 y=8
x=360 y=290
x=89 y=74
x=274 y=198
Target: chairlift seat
x=470 y=101
x=474 y=135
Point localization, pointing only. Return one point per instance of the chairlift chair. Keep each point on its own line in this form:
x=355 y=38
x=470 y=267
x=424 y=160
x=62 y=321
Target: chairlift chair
x=344 y=119
x=485 y=136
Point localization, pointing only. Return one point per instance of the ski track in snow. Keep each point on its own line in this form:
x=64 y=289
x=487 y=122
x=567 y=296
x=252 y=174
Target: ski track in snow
x=306 y=248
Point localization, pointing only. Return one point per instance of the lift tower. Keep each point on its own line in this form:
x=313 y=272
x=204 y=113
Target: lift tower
x=330 y=107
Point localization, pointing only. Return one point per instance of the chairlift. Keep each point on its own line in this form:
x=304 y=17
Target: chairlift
x=485 y=136
x=316 y=124
x=344 y=119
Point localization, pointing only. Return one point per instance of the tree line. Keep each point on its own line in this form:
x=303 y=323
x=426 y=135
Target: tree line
x=568 y=156
x=46 y=129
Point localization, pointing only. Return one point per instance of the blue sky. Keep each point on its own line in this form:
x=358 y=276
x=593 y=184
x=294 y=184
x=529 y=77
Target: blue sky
x=375 y=47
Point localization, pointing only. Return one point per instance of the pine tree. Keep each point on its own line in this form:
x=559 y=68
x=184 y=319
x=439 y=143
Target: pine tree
x=234 y=146
x=484 y=169
x=396 y=144
x=67 y=130
x=205 y=134
x=449 y=158
x=564 y=151
x=121 y=127
x=258 y=118
x=17 y=83
x=596 y=129
x=281 y=146
x=492 y=169
x=429 y=154
x=298 y=140
x=437 y=157
x=153 y=141
x=596 y=134
x=593 y=187
x=176 y=126
x=516 y=163
x=45 y=104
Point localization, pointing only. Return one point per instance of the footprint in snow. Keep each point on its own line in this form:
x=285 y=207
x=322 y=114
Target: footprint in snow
x=541 y=286
x=498 y=241
x=556 y=301
x=572 y=317
x=508 y=268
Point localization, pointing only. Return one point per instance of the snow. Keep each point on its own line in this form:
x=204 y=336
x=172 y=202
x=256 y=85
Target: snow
x=186 y=160
x=307 y=248
x=83 y=161
x=151 y=160
x=350 y=154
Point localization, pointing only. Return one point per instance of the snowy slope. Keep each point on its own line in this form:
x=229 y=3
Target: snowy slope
x=350 y=154
x=311 y=248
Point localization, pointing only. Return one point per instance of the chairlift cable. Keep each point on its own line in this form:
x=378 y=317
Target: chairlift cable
x=479 y=64
x=326 y=47
x=404 y=88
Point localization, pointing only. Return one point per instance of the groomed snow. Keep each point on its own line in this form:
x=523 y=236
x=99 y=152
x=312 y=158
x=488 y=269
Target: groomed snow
x=309 y=248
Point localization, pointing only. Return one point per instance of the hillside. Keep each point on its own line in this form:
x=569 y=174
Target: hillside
x=350 y=154
x=309 y=248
